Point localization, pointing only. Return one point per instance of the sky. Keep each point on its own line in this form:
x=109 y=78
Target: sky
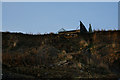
x=119 y=15
x=46 y=17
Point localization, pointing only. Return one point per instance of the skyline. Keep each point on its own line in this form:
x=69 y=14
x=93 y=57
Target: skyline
x=51 y=16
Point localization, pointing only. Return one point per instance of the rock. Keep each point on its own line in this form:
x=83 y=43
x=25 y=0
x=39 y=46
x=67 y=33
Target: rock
x=14 y=45
x=63 y=52
x=113 y=45
x=81 y=71
x=38 y=75
x=61 y=62
x=84 y=43
x=79 y=65
x=69 y=56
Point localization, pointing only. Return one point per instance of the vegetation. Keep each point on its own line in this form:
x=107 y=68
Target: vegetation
x=84 y=55
x=90 y=28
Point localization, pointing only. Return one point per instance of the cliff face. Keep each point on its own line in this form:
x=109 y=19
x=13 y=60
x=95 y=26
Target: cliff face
x=90 y=54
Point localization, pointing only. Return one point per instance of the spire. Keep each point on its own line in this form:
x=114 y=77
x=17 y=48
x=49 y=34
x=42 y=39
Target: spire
x=82 y=27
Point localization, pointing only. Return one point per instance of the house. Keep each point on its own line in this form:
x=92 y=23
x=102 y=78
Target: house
x=81 y=30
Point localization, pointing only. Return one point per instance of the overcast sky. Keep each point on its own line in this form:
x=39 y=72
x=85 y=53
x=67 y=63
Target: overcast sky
x=41 y=17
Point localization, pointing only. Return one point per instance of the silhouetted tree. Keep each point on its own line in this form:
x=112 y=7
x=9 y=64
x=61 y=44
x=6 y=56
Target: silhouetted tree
x=90 y=28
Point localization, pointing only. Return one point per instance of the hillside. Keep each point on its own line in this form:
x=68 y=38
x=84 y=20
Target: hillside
x=84 y=55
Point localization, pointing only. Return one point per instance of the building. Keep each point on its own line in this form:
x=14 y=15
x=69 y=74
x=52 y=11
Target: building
x=70 y=32
x=81 y=30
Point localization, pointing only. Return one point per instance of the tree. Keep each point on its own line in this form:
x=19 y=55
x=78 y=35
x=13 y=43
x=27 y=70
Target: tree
x=90 y=28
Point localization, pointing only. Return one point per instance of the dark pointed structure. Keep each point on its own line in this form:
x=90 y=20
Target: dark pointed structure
x=82 y=28
x=90 y=28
